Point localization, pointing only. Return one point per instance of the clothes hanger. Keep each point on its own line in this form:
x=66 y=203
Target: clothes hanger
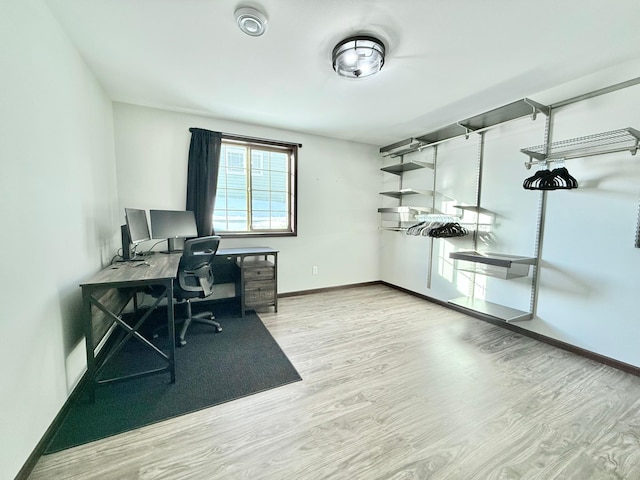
x=556 y=179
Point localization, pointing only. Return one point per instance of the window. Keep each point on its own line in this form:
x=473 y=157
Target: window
x=256 y=193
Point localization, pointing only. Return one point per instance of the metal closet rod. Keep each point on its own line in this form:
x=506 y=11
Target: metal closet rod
x=596 y=93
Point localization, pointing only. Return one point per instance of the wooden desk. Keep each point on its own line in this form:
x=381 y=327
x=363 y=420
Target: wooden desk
x=258 y=286
x=128 y=278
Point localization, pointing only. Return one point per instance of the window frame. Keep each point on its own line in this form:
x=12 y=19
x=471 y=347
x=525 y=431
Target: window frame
x=274 y=146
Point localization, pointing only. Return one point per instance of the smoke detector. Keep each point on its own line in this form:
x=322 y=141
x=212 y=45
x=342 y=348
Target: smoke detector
x=251 y=21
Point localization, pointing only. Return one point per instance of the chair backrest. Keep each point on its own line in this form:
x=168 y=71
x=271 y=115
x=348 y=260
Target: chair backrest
x=195 y=276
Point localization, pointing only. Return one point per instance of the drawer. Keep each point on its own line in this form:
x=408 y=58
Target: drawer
x=260 y=292
x=259 y=271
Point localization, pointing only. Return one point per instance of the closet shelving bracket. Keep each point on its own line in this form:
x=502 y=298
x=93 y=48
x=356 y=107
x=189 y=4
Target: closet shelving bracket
x=468 y=129
x=536 y=108
x=625 y=139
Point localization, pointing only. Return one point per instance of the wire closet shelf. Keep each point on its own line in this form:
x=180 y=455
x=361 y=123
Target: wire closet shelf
x=625 y=139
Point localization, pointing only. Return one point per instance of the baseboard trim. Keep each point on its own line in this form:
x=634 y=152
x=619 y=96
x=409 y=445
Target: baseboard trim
x=612 y=362
x=328 y=289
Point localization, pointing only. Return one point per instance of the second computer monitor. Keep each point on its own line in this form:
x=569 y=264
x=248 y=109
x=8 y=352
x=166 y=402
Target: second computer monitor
x=137 y=225
x=172 y=224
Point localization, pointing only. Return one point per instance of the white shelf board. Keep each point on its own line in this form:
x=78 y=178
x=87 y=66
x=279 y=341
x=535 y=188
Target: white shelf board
x=400 y=168
x=500 y=312
x=405 y=191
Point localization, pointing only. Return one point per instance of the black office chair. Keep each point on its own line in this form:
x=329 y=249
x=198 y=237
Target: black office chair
x=195 y=280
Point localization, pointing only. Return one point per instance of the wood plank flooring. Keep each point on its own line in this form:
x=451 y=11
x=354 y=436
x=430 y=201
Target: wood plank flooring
x=394 y=387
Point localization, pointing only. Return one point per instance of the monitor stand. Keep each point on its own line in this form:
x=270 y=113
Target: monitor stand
x=171 y=246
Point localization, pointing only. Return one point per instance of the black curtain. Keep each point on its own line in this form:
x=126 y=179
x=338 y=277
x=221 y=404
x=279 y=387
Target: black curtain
x=202 y=177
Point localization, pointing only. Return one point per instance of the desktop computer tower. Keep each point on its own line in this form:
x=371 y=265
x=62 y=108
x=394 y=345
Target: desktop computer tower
x=126 y=242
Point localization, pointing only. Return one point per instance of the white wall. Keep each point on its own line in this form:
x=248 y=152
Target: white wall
x=58 y=216
x=589 y=266
x=589 y=277
x=337 y=192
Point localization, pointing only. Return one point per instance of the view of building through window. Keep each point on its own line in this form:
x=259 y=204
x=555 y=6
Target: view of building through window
x=255 y=192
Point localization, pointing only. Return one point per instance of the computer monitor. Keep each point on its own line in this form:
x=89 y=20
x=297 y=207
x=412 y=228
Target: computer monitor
x=172 y=224
x=135 y=231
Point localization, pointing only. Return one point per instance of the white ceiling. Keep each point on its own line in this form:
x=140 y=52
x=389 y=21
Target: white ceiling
x=446 y=59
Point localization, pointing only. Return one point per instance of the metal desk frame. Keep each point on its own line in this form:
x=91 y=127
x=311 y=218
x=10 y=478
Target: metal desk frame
x=160 y=271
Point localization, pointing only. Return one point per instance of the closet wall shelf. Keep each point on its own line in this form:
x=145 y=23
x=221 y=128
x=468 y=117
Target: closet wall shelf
x=403 y=213
x=405 y=191
x=398 y=149
x=473 y=208
x=399 y=168
x=497 y=265
x=625 y=139
x=437 y=216
x=494 y=310
x=477 y=123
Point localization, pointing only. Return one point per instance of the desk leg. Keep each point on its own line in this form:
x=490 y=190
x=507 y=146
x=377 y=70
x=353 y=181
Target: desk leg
x=172 y=333
x=242 y=286
x=275 y=279
x=88 y=330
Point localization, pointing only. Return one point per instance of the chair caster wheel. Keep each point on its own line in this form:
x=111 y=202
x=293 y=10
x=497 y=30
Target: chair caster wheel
x=218 y=329
x=182 y=343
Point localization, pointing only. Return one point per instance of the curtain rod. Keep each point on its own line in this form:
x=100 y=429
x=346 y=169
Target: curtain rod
x=235 y=136
x=257 y=139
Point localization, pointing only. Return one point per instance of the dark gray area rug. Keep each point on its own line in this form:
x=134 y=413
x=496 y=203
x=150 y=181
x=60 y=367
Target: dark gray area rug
x=212 y=368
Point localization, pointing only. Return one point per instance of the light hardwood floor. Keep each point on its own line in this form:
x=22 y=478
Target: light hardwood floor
x=394 y=387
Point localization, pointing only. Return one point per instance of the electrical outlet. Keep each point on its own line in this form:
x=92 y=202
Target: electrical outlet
x=314 y=270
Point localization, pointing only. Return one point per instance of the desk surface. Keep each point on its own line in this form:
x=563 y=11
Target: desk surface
x=156 y=267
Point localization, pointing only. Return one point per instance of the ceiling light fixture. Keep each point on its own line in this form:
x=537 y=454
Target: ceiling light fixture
x=358 y=57
x=251 y=21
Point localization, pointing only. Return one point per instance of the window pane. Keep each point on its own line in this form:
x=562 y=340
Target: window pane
x=260 y=220
x=259 y=180
x=220 y=221
x=237 y=199
x=278 y=181
x=237 y=221
x=278 y=201
x=221 y=200
x=260 y=200
x=279 y=220
x=222 y=176
x=254 y=189
x=236 y=180
x=259 y=159
x=279 y=161
x=236 y=160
